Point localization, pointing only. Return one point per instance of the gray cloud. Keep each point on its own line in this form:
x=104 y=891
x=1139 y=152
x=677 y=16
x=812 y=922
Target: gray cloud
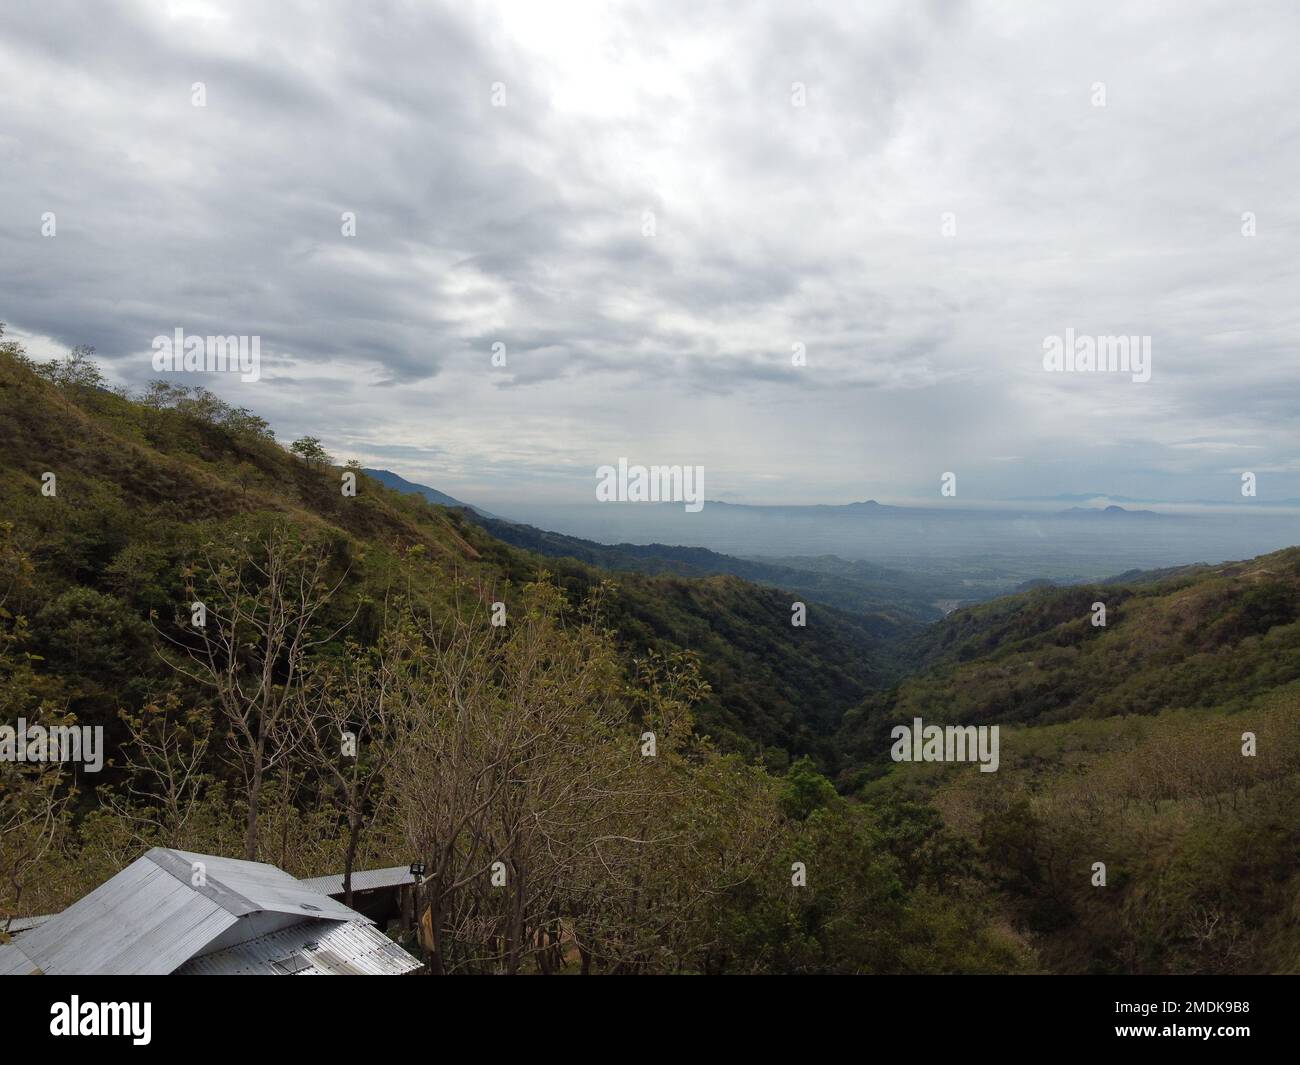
x=774 y=225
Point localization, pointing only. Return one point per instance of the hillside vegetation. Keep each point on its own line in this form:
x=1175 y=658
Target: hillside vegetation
x=1205 y=637
x=577 y=743
x=672 y=776
x=1164 y=745
x=140 y=483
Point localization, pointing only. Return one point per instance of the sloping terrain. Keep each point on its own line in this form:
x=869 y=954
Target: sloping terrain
x=889 y=597
x=139 y=484
x=1205 y=636
x=1145 y=813
x=1161 y=748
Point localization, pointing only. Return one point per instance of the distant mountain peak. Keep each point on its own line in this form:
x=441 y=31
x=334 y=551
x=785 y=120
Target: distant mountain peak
x=401 y=484
x=1113 y=510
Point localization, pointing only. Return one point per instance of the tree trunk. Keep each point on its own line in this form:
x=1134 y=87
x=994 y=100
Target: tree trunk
x=433 y=912
x=516 y=923
x=254 y=798
x=354 y=838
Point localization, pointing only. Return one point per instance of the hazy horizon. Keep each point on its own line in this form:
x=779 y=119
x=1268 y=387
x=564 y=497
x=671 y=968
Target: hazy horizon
x=581 y=495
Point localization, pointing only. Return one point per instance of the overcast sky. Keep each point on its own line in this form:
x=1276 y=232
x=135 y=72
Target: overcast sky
x=651 y=223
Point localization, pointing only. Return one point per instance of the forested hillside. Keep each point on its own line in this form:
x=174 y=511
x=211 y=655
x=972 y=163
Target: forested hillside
x=1164 y=745
x=1204 y=637
x=140 y=483
x=632 y=745
x=226 y=610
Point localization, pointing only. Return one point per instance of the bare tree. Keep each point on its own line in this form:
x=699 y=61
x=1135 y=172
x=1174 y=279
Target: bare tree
x=522 y=783
x=34 y=799
x=256 y=611
x=165 y=774
x=348 y=716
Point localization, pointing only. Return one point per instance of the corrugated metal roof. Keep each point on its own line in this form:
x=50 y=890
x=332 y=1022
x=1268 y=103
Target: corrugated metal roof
x=143 y=920
x=311 y=948
x=247 y=886
x=152 y=917
x=21 y=924
x=13 y=962
x=362 y=880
